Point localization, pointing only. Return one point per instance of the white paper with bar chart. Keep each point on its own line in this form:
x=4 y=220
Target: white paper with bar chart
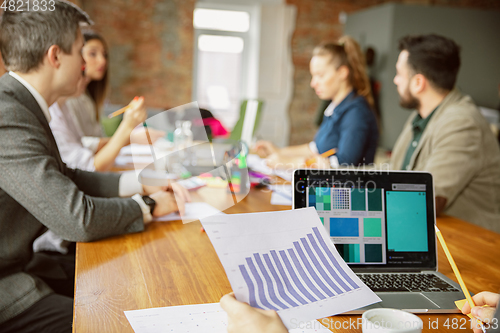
x=285 y=261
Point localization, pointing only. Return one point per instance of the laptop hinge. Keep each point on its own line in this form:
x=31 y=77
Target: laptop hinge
x=392 y=270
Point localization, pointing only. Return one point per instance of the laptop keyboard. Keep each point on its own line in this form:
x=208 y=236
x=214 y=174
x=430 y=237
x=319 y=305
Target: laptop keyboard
x=406 y=282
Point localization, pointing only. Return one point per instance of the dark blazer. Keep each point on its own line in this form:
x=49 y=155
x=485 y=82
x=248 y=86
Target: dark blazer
x=37 y=192
x=352 y=130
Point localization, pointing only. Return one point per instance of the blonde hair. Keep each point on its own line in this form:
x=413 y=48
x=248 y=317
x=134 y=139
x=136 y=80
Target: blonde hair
x=347 y=52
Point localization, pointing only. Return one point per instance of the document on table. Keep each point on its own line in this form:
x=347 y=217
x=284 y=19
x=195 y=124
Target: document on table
x=282 y=195
x=285 y=261
x=136 y=149
x=258 y=164
x=194 y=212
x=200 y=318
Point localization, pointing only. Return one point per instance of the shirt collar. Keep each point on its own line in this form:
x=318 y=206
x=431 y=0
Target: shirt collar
x=40 y=100
x=329 y=109
x=420 y=123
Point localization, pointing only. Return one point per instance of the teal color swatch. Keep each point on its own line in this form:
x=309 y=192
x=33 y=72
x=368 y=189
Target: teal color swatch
x=406 y=221
x=375 y=200
x=358 y=199
x=372 y=227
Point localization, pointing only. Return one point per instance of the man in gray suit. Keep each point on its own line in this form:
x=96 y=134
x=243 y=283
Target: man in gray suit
x=41 y=47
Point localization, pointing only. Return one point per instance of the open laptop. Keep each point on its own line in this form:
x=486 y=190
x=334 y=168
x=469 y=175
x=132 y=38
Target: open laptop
x=382 y=224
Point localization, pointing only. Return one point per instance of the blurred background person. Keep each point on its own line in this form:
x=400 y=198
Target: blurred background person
x=349 y=124
x=76 y=122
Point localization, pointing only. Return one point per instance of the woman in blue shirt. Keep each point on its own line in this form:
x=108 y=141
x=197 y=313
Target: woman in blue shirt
x=349 y=124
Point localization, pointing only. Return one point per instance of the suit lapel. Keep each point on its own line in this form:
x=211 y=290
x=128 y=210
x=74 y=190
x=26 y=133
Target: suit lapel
x=449 y=99
x=25 y=98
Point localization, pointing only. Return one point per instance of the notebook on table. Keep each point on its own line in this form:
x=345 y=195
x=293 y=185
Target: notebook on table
x=382 y=224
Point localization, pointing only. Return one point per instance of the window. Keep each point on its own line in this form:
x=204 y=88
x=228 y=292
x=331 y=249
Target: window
x=221 y=52
x=224 y=20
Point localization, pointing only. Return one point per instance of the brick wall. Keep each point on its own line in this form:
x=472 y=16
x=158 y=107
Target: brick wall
x=151 y=48
x=317 y=21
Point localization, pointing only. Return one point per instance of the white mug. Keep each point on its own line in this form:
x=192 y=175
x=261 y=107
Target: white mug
x=390 y=321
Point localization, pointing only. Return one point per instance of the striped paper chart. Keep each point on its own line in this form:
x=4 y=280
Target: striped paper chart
x=285 y=261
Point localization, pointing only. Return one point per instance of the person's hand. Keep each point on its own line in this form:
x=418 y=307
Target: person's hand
x=136 y=113
x=139 y=135
x=285 y=162
x=485 y=314
x=274 y=161
x=264 y=149
x=166 y=203
x=317 y=162
x=242 y=318
x=181 y=194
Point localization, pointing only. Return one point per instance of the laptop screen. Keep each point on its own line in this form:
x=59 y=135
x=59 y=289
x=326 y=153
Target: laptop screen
x=377 y=220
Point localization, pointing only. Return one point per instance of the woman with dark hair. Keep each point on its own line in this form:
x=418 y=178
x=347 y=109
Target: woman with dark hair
x=349 y=124
x=76 y=121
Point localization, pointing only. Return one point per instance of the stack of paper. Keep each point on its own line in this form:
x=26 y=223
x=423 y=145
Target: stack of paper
x=282 y=195
x=200 y=318
x=258 y=164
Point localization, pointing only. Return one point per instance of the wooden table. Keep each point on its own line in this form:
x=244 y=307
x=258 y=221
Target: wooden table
x=171 y=263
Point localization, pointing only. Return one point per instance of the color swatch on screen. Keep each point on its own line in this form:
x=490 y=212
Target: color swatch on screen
x=344 y=227
x=319 y=197
x=350 y=252
x=340 y=198
x=375 y=200
x=322 y=220
x=373 y=253
x=358 y=199
x=372 y=227
x=406 y=221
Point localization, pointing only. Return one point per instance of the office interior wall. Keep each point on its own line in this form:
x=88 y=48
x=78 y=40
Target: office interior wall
x=361 y=25
x=475 y=30
x=276 y=71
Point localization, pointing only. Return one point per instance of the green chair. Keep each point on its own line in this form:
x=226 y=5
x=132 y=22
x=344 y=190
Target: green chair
x=238 y=128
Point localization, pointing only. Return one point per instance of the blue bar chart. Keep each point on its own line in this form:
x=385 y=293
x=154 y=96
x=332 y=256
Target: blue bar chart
x=305 y=273
x=285 y=261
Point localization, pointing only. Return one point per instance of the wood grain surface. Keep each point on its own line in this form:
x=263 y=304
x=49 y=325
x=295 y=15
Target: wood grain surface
x=172 y=263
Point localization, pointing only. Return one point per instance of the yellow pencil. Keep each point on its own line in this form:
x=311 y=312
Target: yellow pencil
x=122 y=110
x=457 y=273
x=326 y=154
x=119 y=112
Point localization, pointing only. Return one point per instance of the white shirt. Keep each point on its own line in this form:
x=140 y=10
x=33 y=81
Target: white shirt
x=69 y=139
x=83 y=112
x=128 y=183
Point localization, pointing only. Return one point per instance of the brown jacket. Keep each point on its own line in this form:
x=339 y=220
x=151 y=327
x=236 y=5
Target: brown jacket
x=459 y=150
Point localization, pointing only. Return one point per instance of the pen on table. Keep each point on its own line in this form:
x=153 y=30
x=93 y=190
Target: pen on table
x=326 y=154
x=150 y=141
x=457 y=273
